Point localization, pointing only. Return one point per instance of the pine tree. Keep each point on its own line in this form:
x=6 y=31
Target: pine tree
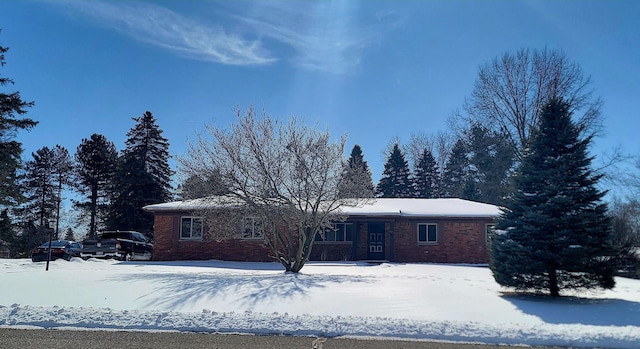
x=456 y=177
x=356 y=176
x=11 y=107
x=555 y=234
x=96 y=160
x=196 y=187
x=29 y=236
x=491 y=159
x=7 y=232
x=39 y=187
x=426 y=178
x=62 y=178
x=142 y=178
x=396 y=179
x=69 y=235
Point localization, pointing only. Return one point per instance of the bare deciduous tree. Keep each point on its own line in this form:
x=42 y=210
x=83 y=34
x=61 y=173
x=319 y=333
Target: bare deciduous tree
x=285 y=174
x=511 y=90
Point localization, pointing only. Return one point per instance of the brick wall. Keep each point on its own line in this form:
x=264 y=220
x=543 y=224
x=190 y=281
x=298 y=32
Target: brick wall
x=459 y=241
x=168 y=246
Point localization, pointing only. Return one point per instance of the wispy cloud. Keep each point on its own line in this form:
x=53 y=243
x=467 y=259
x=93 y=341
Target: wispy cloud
x=324 y=35
x=162 y=27
x=329 y=36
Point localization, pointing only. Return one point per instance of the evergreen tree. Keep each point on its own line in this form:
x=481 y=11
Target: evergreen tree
x=426 y=178
x=69 y=235
x=456 y=177
x=396 y=179
x=11 y=108
x=356 y=176
x=196 y=187
x=62 y=178
x=142 y=178
x=554 y=234
x=39 y=188
x=491 y=159
x=96 y=160
x=7 y=232
x=29 y=237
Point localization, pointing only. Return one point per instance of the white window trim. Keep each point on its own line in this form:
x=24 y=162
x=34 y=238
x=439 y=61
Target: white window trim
x=427 y=242
x=345 y=241
x=191 y=238
x=253 y=230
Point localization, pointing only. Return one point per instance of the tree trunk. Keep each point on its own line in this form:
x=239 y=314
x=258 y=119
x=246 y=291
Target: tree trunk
x=94 y=212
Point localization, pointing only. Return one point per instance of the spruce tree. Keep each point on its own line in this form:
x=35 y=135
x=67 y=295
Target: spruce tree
x=396 y=179
x=69 y=235
x=456 y=177
x=492 y=158
x=426 y=178
x=143 y=176
x=12 y=106
x=554 y=233
x=356 y=176
x=96 y=160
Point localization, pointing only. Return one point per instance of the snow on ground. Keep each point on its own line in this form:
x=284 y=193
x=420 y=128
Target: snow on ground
x=407 y=301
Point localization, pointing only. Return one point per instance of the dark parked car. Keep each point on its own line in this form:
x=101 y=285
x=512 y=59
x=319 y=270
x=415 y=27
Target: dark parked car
x=123 y=245
x=59 y=249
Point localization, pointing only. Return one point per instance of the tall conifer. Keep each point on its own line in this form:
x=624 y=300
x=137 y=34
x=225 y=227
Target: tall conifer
x=356 y=176
x=39 y=187
x=143 y=176
x=554 y=233
x=456 y=175
x=96 y=160
x=396 y=179
x=12 y=107
x=427 y=177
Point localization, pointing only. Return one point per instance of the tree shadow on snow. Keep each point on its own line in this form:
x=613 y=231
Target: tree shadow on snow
x=575 y=310
x=176 y=291
x=212 y=264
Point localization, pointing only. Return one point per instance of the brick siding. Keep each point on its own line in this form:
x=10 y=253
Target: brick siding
x=459 y=241
x=168 y=246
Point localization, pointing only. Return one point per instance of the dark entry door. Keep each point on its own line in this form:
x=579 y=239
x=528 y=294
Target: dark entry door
x=376 y=241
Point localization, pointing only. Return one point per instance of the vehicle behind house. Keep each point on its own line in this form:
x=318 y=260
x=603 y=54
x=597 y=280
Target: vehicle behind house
x=122 y=245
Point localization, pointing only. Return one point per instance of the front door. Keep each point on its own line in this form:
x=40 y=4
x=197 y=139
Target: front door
x=376 y=241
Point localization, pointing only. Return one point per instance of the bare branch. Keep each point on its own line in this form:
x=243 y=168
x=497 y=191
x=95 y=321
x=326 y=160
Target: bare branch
x=285 y=173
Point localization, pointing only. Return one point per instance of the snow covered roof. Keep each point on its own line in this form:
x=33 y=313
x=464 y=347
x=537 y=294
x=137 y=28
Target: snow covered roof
x=378 y=207
x=424 y=208
x=193 y=204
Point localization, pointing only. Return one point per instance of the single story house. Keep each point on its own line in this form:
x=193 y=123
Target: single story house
x=396 y=230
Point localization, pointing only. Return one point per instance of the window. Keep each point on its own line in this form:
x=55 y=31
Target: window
x=191 y=228
x=488 y=230
x=427 y=233
x=340 y=232
x=253 y=228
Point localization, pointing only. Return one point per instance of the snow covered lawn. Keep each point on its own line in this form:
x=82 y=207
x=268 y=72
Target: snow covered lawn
x=416 y=301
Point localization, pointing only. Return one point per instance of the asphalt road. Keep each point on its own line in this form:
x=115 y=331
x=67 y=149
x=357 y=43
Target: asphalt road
x=58 y=339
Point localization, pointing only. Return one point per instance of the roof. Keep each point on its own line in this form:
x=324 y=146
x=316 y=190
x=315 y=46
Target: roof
x=378 y=207
x=424 y=208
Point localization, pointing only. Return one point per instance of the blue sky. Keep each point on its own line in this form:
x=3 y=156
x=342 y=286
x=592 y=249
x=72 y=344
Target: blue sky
x=376 y=70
